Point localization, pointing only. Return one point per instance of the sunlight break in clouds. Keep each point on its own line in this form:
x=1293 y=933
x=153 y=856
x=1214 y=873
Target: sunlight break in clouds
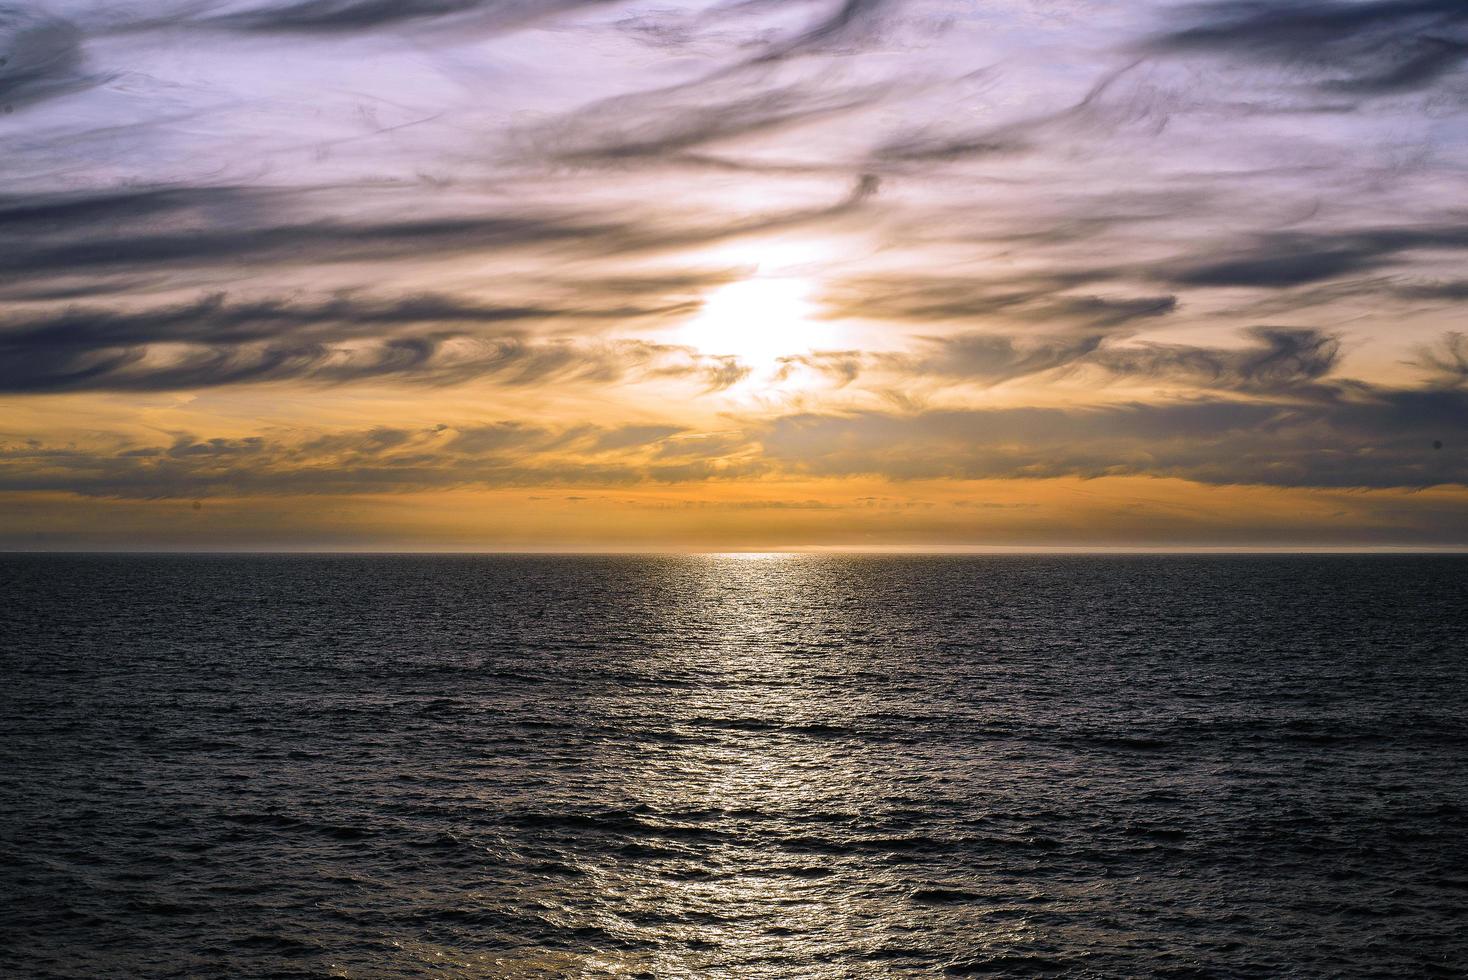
x=759 y=320
x=858 y=273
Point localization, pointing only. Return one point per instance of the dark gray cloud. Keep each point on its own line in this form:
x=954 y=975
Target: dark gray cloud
x=133 y=240
x=182 y=228
x=1279 y=361
x=1117 y=102
x=671 y=123
x=337 y=18
x=1284 y=259
x=844 y=22
x=838 y=26
x=40 y=56
x=1446 y=361
x=690 y=123
x=848 y=22
x=49 y=213
x=317 y=241
x=991 y=358
x=1346 y=47
x=1379 y=439
x=1381 y=290
x=1449 y=291
x=431 y=359
x=419 y=339
x=214 y=319
x=1041 y=300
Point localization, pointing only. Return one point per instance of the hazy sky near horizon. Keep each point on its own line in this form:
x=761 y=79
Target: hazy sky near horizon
x=561 y=273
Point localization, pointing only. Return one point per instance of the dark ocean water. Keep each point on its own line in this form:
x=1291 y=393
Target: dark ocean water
x=733 y=767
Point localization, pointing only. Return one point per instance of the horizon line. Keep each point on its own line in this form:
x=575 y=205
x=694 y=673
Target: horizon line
x=851 y=550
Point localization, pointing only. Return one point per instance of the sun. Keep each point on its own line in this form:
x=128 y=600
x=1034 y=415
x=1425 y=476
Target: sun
x=759 y=320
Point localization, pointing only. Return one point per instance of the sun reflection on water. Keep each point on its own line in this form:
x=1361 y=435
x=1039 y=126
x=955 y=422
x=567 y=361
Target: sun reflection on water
x=764 y=806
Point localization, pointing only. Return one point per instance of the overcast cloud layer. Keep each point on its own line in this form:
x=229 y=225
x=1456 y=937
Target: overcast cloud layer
x=318 y=249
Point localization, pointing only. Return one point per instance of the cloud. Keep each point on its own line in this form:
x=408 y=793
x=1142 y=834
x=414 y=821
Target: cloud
x=695 y=123
x=842 y=367
x=1277 y=260
x=629 y=436
x=215 y=319
x=426 y=339
x=1381 y=439
x=990 y=359
x=1280 y=361
x=333 y=19
x=1348 y=47
x=130 y=243
x=1042 y=301
x=849 y=22
x=669 y=124
x=1386 y=441
x=382 y=459
x=1264 y=415
x=1120 y=101
x=339 y=16
x=40 y=56
x=840 y=26
x=508 y=361
x=180 y=228
x=58 y=211
x=1447 y=361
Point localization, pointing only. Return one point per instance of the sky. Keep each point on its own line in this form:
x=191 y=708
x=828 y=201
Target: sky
x=741 y=274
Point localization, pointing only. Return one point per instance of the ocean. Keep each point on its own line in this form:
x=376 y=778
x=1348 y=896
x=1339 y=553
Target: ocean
x=789 y=766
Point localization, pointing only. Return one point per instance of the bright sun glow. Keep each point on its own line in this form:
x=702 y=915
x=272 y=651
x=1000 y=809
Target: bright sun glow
x=759 y=320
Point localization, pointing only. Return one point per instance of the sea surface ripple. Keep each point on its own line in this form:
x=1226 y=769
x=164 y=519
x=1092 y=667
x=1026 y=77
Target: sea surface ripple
x=731 y=766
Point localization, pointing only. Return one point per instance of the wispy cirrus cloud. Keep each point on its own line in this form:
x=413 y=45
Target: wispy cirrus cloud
x=1292 y=258
x=346 y=16
x=1279 y=361
x=1043 y=300
x=424 y=339
x=1446 y=361
x=1353 y=49
x=1276 y=361
x=183 y=230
